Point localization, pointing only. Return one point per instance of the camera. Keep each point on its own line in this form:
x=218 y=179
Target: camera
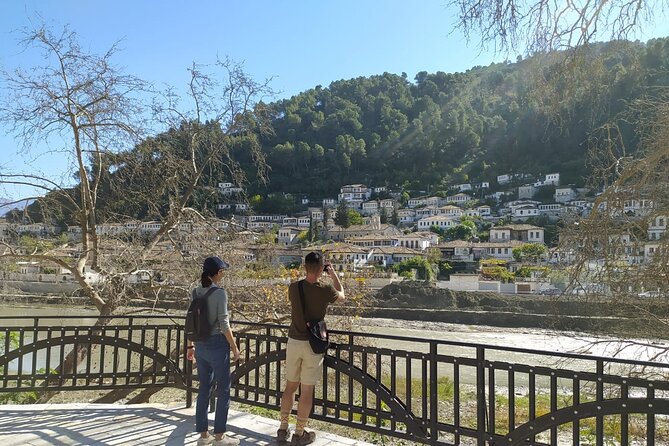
x=326 y=267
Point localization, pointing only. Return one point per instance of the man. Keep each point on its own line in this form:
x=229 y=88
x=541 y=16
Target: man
x=303 y=366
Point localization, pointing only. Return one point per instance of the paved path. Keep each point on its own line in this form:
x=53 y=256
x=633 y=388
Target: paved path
x=137 y=424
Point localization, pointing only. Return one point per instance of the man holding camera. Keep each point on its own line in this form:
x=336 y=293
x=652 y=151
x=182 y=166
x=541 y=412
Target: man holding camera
x=303 y=366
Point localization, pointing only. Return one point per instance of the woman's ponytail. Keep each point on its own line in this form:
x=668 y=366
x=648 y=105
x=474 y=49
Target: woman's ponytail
x=206 y=280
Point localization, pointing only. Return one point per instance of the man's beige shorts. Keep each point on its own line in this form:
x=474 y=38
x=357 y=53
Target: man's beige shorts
x=302 y=364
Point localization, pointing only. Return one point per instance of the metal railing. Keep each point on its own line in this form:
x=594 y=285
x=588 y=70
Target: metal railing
x=425 y=390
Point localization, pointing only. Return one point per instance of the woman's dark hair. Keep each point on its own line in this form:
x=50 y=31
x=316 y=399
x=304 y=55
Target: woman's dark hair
x=206 y=280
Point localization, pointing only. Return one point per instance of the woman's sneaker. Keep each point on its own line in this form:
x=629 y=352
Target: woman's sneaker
x=306 y=438
x=226 y=441
x=206 y=441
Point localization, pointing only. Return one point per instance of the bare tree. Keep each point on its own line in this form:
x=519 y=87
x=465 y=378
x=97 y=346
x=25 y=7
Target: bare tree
x=102 y=113
x=538 y=26
x=620 y=250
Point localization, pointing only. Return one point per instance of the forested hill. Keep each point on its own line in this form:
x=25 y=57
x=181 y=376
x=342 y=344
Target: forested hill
x=441 y=128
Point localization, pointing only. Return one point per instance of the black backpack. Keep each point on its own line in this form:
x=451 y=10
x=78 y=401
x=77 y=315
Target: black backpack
x=198 y=327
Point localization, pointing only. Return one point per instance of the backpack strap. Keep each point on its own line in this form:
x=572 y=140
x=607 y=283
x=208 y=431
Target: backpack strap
x=300 y=286
x=206 y=295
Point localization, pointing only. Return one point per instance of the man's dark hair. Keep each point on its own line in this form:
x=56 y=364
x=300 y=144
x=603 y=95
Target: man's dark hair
x=313 y=258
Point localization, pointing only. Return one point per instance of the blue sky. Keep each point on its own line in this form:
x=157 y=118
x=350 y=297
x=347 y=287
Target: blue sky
x=300 y=44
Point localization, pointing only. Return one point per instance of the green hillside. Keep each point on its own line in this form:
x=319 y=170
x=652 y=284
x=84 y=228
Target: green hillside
x=442 y=128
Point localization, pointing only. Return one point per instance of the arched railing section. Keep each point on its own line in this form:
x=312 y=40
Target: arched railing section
x=428 y=391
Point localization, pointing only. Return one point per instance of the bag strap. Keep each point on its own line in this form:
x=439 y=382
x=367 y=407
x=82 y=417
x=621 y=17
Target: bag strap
x=206 y=295
x=300 y=286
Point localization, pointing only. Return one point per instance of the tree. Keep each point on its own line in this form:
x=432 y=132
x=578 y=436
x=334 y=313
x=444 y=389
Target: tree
x=383 y=215
x=342 y=217
x=98 y=111
x=465 y=230
x=613 y=250
x=531 y=252
x=354 y=217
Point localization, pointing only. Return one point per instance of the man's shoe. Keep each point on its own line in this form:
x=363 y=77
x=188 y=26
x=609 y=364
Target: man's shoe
x=283 y=436
x=226 y=441
x=306 y=438
x=206 y=441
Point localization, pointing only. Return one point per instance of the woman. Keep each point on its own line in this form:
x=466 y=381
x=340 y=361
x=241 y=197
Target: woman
x=213 y=357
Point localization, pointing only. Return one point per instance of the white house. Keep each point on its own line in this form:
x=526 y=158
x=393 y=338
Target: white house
x=527 y=191
x=354 y=194
x=370 y=207
x=329 y=202
x=287 y=235
x=463 y=187
x=481 y=185
x=388 y=203
x=417 y=240
x=387 y=256
x=304 y=222
x=525 y=212
x=450 y=211
x=657 y=227
x=552 y=179
x=440 y=221
x=428 y=211
x=289 y=221
x=484 y=211
x=551 y=209
x=503 y=179
x=523 y=233
x=500 y=251
x=316 y=214
x=406 y=216
x=458 y=198
x=564 y=194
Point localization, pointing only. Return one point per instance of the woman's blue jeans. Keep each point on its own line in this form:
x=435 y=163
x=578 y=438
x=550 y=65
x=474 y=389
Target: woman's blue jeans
x=213 y=367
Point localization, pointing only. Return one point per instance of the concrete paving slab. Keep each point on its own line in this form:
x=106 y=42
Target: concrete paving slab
x=130 y=425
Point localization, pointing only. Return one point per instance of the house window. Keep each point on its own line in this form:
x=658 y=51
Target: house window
x=499 y=250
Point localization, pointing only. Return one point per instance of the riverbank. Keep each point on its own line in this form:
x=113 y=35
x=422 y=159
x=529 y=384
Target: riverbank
x=418 y=301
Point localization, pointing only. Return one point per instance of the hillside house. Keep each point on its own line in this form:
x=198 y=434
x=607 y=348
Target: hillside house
x=354 y=194
x=525 y=212
x=288 y=235
x=484 y=211
x=526 y=192
x=523 y=233
x=406 y=216
x=564 y=194
x=440 y=221
x=458 y=199
x=449 y=211
x=345 y=257
x=503 y=179
x=339 y=234
x=388 y=256
x=370 y=207
x=417 y=240
x=462 y=187
x=458 y=250
x=657 y=227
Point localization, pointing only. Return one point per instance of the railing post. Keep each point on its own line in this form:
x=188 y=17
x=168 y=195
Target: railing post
x=599 y=423
x=434 y=404
x=480 y=396
x=188 y=375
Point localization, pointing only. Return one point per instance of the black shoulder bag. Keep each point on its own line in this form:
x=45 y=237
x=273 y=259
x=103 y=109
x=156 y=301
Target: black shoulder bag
x=317 y=329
